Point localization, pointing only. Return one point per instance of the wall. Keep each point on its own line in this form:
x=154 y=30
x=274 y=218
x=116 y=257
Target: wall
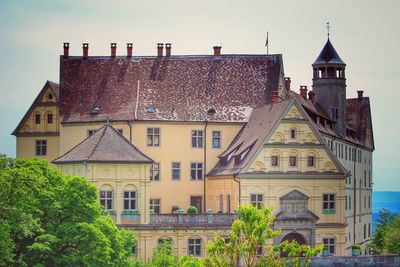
x=365 y=261
x=26 y=147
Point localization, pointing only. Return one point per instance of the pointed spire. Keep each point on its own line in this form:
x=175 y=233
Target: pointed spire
x=329 y=55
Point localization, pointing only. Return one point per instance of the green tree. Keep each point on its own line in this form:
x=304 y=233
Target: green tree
x=386 y=238
x=250 y=241
x=51 y=219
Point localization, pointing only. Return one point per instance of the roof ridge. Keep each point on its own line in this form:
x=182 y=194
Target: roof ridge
x=98 y=141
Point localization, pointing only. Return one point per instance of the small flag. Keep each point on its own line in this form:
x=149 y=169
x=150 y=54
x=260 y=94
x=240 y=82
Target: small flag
x=266 y=41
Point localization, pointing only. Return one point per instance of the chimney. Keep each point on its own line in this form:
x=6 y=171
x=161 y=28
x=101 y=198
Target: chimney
x=217 y=51
x=275 y=97
x=311 y=96
x=129 y=48
x=287 y=83
x=85 y=47
x=66 y=50
x=360 y=95
x=168 y=50
x=113 y=49
x=303 y=91
x=160 y=48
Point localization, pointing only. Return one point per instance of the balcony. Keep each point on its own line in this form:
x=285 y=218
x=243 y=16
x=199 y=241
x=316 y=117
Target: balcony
x=209 y=219
x=130 y=217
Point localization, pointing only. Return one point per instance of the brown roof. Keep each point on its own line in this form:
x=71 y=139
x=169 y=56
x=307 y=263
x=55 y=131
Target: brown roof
x=38 y=100
x=105 y=145
x=358 y=117
x=251 y=136
x=177 y=88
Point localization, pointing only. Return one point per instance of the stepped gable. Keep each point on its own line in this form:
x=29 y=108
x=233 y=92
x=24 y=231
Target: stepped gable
x=106 y=145
x=174 y=88
x=252 y=135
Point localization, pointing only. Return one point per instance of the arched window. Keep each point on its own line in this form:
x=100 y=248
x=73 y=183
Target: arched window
x=107 y=197
x=195 y=246
x=293 y=133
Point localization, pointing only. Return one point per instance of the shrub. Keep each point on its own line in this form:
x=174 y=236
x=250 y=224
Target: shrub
x=192 y=210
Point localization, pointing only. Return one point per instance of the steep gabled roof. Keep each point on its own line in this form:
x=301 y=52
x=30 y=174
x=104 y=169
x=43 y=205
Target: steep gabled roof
x=54 y=87
x=175 y=88
x=246 y=143
x=329 y=55
x=106 y=145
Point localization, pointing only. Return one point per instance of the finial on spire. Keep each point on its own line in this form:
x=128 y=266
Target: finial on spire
x=328 y=28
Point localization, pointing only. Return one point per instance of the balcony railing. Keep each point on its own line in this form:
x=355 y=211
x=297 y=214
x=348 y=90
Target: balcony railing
x=218 y=219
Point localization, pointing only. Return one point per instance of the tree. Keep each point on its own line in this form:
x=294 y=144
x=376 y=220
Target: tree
x=386 y=238
x=250 y=241
x=51 y=219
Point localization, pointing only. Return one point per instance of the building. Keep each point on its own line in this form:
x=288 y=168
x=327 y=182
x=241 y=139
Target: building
x=158 y=134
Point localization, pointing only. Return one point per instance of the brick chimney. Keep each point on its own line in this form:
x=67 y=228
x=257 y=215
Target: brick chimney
x=160 y=48
x=287 y=83
x=217 y=50
x=303 y=91
x=85 y=47
x=275 y=97
x=360 y=95
x=129 y=48
x=66 y=50
x=311 y=96
x=113 y=49
x=167 y=49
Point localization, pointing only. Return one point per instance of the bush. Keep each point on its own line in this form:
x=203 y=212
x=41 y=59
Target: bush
x=192 y=210
x=356 y=246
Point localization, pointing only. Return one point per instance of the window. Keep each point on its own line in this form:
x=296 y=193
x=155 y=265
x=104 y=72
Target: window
x=292 y=133
x=365 y=231
x=196 y=171
x=129 y=200
x=369 y=178
x=176 y=171
x=221 y=203
x=274 y=161
x=345 y=152
x=369 y=229
x=310 y=161
x=41 y=147
x=90 y=132
x=197 y=138
x=345 y=203
x=37 y=118
x=195 y=247
x=328 y=204
x=256 y=200
x=163 y=240
x=155 y=205
x=216 y=139
x=106 y=199
x=334 y=114
x=49 y=118
x=349 y=202
x=330 y=243
x=292 y=161
x=155 y=172
x=369 y=202
x=197 y=201
x=153 y=136
x=365 y=202
x=228 y=203
x=365 y=178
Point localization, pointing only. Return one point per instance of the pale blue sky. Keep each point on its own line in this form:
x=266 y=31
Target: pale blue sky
x=365 y=34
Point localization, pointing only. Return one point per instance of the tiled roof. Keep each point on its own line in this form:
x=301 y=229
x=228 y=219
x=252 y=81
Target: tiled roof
x=329 y=55
x=251 y=136
x=176 y=88
x=105 y=145
x=358 y=117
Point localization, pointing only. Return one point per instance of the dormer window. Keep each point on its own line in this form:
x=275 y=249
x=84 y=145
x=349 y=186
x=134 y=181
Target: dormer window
x=49 y=96
x=95 y=110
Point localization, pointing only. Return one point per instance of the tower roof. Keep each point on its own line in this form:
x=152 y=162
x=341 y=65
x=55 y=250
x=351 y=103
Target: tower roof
x=104 y=146
x=329 y=55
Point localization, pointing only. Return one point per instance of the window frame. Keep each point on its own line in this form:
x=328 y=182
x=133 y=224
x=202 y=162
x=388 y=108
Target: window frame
x=328 y=205
x=156 y=207
x=153 y=134
x=295 y=161
x=153 y=170
x=313 y=158
x=257 y=202
x=197 y=140
x=196 y=170
x=130 y=199
x=330 y=242
x=41 y=147
x=194 y=244
x=174 y=169
x=108 y=198
x=293 y=133
x=37 y=118
x=277 y=161
x=49 y=118
x=214 y=138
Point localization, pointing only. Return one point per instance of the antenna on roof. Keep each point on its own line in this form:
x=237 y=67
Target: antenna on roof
x=328 y=27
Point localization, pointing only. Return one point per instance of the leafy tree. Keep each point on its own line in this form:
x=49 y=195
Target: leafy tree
x=386 y=238
x=51 y=219
x=250 y=240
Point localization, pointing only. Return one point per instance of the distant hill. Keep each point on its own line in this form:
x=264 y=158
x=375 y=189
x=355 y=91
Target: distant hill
x=384 y=199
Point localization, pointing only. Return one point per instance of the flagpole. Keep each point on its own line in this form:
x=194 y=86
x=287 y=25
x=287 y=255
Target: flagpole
x=267 y=44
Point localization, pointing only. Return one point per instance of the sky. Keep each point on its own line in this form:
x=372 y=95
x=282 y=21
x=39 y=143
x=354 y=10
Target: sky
x=364 y=32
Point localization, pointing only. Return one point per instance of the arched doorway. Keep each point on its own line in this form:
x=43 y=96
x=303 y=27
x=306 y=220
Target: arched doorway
x=294 y=236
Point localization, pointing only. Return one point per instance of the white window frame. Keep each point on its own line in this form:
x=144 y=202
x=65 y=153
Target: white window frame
x=153 y=137
x=175 y=169
x=41 y=147
x=131 y=200
x=156 y=207
x=197 y=138
x=330 y=242
x=216 y=139
x=155 y=171
x=194 y=167
x=329 y=204
x=257 y=200
x=195 y=244
x=107 y=199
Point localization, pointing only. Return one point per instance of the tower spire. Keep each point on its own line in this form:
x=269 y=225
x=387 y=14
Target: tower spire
x=328 y=27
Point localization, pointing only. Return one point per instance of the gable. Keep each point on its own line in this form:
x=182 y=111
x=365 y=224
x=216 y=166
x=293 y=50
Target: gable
x=294 y=113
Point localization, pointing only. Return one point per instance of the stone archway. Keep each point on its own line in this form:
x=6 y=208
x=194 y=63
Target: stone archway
x=296 y=237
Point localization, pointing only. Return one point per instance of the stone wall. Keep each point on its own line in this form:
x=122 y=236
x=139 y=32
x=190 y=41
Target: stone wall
x=376 y=261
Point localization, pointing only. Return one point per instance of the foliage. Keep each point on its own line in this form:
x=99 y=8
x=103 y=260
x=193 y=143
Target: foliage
x=51 y=219
x=163 y=256
x=192 y=210
x=250 y=240
x=386 y=238
x=356 y=246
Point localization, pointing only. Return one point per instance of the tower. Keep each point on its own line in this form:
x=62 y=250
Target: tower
x=329 y=85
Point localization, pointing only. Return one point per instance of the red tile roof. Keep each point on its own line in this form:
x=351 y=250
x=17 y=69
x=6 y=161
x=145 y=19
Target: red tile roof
x=178 y=88
x=106 y=145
